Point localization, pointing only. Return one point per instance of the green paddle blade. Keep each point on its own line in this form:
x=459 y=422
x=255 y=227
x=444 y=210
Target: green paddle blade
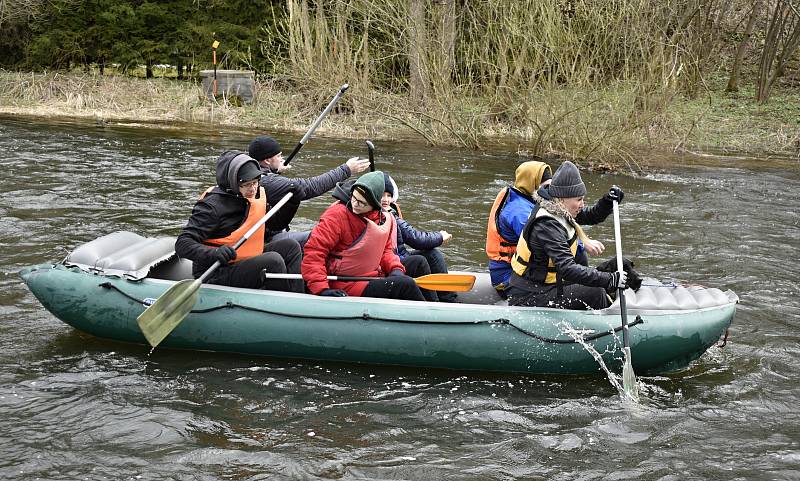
x=158 y=320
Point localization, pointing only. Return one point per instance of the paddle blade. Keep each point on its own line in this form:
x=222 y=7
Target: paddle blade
x=158 y=320
x=629 y=377
x=446 y=282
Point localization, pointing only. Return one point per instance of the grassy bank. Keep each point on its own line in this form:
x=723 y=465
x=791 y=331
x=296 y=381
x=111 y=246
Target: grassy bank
x=601 y=128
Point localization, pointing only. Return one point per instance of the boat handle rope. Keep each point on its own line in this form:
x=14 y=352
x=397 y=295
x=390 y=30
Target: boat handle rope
x=367 y=317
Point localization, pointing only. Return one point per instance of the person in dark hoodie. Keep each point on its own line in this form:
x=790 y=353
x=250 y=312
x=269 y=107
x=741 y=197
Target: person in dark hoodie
x=425 y=258
x=223 y=215
x=546 y=271
x=267 y=151
x=355 y=237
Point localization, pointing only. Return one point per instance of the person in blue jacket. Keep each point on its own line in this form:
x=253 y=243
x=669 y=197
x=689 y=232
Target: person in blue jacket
x=509 y=213
x=425 y=258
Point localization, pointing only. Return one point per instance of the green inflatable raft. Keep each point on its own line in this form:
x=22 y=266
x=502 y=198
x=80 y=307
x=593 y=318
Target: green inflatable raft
x=103 y=285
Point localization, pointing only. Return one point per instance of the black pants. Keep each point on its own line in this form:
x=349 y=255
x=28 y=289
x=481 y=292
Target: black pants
x=575 y=297
x=280 y=256
x=418 y=266
x=394 y=287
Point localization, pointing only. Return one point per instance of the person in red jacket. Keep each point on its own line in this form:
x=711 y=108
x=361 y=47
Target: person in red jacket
x=355 y=237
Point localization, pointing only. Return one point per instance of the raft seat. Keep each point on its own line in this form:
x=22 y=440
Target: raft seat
x=130 y=256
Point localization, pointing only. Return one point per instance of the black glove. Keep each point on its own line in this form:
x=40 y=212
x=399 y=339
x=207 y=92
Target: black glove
x=333 y=293
x=615 y=193
x=619 y=280
x=634 y=279
x=224 y=254
x=396 y=272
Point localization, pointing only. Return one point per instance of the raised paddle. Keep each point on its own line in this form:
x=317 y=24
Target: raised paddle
x=158 y=320
x=371 y=152
x=432 y=282
x=628 y=376
x=316 y=123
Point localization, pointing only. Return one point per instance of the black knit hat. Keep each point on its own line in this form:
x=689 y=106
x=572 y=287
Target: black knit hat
x=263 y=147
x=567 y=182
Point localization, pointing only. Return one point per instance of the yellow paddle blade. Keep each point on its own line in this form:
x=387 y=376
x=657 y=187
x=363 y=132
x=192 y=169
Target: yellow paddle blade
x=446 y=282
x=158 y=320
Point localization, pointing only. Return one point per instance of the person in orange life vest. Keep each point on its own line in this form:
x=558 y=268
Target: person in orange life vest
x=267 y=151
x=426 y=258
x=222 y=216
x=508 y=216
x=355 y=237
x=546 y=273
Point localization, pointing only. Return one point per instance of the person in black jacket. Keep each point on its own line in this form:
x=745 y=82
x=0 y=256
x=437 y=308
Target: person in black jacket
x=425 y=258
x=267 y=151
x=546 y=272
x=224 y=214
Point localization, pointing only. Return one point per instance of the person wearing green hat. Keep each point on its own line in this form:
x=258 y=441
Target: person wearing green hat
x=355 y=237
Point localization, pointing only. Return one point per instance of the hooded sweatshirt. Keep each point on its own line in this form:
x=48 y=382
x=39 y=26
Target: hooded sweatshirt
x=221 y=211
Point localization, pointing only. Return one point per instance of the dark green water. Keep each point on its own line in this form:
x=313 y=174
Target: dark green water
x=77 y=407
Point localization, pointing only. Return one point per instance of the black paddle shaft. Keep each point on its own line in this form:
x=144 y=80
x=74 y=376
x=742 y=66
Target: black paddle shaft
x=371 y=152
x=316 y=123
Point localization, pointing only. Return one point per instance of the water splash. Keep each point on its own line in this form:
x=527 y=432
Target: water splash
x=615 y=380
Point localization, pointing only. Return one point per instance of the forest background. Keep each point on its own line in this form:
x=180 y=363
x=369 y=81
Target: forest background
x=596 y=81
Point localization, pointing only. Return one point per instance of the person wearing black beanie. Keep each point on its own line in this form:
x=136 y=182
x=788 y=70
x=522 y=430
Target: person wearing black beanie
x=268 y=152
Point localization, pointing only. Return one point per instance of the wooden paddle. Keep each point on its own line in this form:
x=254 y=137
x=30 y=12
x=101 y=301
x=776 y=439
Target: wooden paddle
x=432 y=282
x=316 y=123
x=628 y=376
x=164 y=315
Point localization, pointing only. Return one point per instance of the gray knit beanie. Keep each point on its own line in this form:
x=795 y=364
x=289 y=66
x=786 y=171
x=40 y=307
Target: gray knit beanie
x=567 y=182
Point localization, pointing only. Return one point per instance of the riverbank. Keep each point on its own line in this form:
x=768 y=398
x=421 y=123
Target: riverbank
x=599 y=128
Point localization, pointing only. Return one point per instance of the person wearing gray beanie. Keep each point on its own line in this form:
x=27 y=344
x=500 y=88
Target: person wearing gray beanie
x=268 y=152
x=567 y=182
x=547 y=272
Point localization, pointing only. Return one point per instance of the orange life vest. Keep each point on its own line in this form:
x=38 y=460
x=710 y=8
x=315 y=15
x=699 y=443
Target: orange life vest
x=497 y=247
x=253 y=246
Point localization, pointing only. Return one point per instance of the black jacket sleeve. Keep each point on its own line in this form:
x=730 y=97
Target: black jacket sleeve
x=316 y=186
x=595 y=214
x=552 y=236
x=200 y=226
x=276 y=187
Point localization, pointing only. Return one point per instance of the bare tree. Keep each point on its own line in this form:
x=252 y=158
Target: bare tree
x=733 y=81
x=781 y=40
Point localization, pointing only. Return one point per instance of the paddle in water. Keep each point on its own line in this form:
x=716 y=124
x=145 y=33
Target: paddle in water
x=432 y=282
x=628 y=376
x=164 y=315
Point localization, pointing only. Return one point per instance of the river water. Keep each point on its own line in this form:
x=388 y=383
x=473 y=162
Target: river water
x=76 y=407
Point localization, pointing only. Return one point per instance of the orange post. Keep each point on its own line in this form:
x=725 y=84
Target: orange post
x=214 y=62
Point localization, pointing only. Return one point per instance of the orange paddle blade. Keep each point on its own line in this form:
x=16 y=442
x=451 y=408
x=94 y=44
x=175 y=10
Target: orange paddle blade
x=446 y=282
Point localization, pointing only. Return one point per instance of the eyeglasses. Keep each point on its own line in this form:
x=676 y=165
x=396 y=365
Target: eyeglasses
x=358 y=202
x=249 y=184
